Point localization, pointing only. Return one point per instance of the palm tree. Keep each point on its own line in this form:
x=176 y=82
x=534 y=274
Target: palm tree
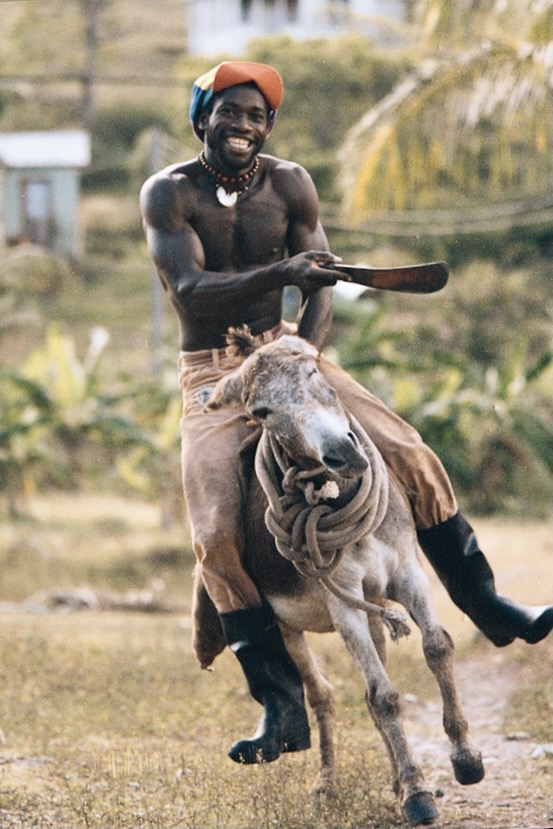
x=471 y=125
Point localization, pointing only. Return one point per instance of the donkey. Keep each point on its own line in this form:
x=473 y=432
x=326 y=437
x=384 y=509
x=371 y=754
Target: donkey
x=330 y=544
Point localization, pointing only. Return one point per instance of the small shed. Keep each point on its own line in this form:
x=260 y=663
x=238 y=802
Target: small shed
x=40 y=188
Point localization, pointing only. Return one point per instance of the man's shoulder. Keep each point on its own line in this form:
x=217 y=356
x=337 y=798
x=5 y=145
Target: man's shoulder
x=172 y=174
x=167 y=186
x=293 y=183
x=282 y=167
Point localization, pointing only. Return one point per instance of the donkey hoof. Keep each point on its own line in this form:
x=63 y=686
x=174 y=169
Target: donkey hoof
x=420 y=809
x=468 y=767
x=325 y=786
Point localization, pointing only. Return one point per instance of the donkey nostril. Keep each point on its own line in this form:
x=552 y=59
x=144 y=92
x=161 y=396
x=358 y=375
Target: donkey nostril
x=332 y=462
x=260 y=412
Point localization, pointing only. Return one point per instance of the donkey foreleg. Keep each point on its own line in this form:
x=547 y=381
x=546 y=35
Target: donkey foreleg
x=414 y=594
x=384 y=706
x=320 y=696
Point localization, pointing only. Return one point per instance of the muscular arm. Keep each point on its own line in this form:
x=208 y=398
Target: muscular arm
x=305 y=233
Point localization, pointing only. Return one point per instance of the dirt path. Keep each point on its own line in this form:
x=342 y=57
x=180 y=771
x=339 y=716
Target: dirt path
x=517 y=788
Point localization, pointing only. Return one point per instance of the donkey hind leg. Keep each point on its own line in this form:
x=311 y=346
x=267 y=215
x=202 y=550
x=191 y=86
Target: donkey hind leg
x=383 y=701
x=320 y=696
x=414 y=594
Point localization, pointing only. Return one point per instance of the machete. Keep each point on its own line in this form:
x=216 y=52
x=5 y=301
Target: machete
x=414 y=279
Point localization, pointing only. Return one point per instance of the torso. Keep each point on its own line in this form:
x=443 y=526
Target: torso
x=235 y=239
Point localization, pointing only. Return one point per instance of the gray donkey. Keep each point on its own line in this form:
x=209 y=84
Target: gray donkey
x=330 y=544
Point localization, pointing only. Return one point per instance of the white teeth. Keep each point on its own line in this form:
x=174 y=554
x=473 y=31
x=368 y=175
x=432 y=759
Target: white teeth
x=239 y=143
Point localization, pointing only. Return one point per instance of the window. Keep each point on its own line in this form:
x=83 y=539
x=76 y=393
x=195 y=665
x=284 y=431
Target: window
x=37 y=211
x=246 y=9
x=290 y=7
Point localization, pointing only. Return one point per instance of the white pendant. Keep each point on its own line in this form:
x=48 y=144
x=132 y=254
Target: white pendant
x=224 y=198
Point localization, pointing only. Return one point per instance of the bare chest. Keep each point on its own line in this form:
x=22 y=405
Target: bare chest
x=250 y=232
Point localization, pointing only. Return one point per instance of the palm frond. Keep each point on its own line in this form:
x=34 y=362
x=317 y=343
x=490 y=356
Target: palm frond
x=473 y=127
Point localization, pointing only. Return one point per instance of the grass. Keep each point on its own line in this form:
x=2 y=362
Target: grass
x=112 y=724
x=109 y=723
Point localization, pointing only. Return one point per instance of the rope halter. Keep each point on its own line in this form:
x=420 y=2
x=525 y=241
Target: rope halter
x=314 y=536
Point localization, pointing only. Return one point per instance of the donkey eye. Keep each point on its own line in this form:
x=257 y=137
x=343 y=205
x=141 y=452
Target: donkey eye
x=261 y=412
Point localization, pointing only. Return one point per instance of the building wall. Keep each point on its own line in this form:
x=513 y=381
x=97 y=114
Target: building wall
x=42 y=205
x=2 y=203
x=224 y=27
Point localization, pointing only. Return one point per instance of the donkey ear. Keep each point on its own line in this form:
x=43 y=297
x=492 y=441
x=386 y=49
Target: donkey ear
x=228 y=390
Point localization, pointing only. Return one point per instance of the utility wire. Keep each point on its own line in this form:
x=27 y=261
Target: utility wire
x=435 y=223
x=111 y=80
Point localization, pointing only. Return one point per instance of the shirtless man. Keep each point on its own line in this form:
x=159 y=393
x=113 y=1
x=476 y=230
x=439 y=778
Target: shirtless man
x=228 y=231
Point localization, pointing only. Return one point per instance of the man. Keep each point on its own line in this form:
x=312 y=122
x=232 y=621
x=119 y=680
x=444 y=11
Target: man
x=228 y=231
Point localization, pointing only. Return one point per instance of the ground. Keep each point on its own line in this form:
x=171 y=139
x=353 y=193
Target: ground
x=108 y=722
x=516 y=790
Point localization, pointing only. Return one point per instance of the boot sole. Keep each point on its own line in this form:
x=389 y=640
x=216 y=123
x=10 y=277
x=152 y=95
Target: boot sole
x=250 y=754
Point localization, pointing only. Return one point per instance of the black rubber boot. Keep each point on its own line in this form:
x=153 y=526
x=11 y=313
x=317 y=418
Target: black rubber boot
x=452 y=550
x=274 y=681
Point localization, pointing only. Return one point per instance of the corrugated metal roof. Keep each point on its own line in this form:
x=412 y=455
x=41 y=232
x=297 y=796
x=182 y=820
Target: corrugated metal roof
x=52 y=148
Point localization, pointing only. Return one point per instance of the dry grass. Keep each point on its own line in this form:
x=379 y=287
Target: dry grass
x=108 y=721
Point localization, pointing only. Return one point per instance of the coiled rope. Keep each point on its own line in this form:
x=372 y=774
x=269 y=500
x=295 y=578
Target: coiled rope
x=314 y=536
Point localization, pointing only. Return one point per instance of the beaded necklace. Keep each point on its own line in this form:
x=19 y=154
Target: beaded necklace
x=224 y=197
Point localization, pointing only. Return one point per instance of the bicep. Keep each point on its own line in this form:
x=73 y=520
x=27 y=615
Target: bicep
x=175 y=252
x=174 y=245
x=305 y=231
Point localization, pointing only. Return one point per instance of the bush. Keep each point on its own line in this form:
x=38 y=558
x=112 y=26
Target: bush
x=473 y=376
x=115 y=133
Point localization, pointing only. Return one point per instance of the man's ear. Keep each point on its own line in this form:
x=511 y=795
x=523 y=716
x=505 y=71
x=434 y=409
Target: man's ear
x=228 y=390
x=203 y=120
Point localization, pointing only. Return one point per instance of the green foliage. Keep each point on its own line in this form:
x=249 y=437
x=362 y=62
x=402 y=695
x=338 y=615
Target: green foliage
x=474 y=380
x=115 y=133
x=324 y=95
x=113 y=226
x=57 y=416
x=453 y=23
x=153 y=466
x=471 y=124
x=32 y=272
x=17 y=313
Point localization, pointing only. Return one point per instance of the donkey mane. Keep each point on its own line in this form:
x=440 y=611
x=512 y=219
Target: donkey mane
x=240 y=343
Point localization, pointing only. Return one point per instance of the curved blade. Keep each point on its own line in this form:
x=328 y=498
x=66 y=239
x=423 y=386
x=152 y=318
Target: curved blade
x=415 y=279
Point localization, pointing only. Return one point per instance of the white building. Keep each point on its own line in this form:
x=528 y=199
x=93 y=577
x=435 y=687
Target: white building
x=40 y=187
x=224 y=27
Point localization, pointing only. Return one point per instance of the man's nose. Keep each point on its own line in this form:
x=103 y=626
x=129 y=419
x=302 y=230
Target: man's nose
x=240 y=120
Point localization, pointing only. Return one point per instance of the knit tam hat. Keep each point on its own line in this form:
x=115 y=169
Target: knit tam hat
x=234 y=73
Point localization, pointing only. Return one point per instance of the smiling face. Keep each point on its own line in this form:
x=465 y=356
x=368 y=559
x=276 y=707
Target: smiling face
x=236 y=128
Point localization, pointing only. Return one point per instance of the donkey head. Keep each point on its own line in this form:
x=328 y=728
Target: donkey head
x=281 y=387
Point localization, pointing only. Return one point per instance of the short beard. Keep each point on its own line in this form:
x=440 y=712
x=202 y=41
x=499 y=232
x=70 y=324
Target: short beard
x=228 y=164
